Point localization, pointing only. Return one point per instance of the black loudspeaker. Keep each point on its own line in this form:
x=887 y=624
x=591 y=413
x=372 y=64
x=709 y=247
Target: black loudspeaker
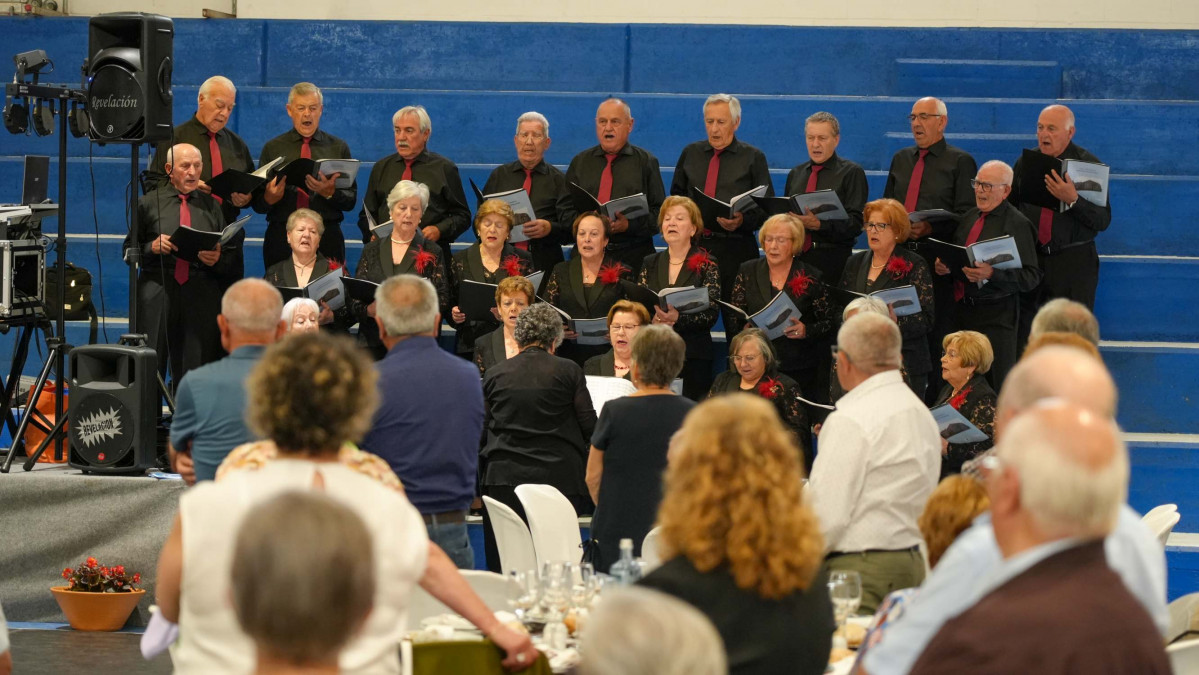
x=112 y=412
x=129 y=77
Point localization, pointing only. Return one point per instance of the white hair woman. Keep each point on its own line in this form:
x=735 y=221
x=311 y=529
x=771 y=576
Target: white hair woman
x=639 y=631
x=301 y=315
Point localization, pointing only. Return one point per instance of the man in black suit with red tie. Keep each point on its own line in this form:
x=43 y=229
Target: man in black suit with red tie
x=829 y=242
x=546 y=185
x=613 y=169
x=723 y=167
x=1065 y=239
x=933 y=175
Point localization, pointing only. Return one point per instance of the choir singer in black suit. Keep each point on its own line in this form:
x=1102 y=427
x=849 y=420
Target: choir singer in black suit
x=993 y=309
x=888 y=264
x=546 y=185
x=446 y=216
x=512 y=297
x=178 y=301
x=615 y=168
x=305 y=262
x=278 y=200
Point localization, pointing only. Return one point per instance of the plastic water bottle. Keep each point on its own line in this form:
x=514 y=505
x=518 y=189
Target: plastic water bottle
x=626 y=571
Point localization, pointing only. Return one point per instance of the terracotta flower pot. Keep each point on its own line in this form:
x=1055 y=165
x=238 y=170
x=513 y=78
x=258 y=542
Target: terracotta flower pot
x=96 y=611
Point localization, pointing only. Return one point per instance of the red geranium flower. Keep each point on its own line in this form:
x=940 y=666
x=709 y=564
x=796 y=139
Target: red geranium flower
x=897 y=267
x=66 y=573
x=699 y=260
x=769 y=388
x=611 y=273
x=91 y=562
x=137 y=577
x=423 y=258
x=512 y=266
x=957 y=401
x=799 y=283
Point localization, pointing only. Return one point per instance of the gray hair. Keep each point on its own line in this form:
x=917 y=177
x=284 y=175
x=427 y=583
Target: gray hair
x=941 y=107
x=305 y=89
x=640 y=631
x=538 y=325
x=406 y=304
x=305 y=214
x=1052 y=449
x=758 y=337
x=826 y=117
x=658 y=353
x=294 y=305
x=866 y=304
x=1066 y=316
x=534 y=116
x=734 y=104
x=1005 y=169
x=872 y=342
x=216 y=81
x=325 y=549
x=170 y=156
x=421 y=114
x=623 y=104
x=1057 y=371
x=252 y=306
x=405 y=189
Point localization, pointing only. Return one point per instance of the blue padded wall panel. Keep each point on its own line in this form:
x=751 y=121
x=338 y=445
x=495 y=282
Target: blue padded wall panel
x=1165 y=472
x=978 y=78
x=1148 y=299
x=1157 y=388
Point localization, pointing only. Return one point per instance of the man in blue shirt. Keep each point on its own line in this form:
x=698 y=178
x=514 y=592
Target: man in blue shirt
x=210 y=405
x=430 y=416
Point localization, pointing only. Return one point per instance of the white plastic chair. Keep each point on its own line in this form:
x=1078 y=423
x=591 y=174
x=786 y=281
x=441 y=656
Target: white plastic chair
x=1184 y=616
x=1159 y=509
x=553 y=522
x=651 y=554
x=1184 y=657
x=512 y=538
x=492 y=588
x=1162 y=523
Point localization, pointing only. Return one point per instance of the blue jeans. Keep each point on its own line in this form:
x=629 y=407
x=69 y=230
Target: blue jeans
x=452 y=539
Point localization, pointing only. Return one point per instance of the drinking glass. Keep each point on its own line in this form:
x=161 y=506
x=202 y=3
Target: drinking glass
x=523 y=592
x=845 y=591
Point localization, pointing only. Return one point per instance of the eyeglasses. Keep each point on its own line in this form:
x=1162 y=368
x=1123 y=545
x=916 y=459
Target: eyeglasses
x=875 y=227
x=951 y=353
x=923 y=117
x=834 y=349
x=985 y=187
x=628 y=328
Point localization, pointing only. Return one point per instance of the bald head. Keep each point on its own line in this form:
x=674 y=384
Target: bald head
x=1056 y=372
x=252 y=306
x=184 y=164
x=1055 y=129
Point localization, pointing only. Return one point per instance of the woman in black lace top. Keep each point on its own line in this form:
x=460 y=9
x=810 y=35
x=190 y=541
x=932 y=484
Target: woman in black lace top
x=966 y=360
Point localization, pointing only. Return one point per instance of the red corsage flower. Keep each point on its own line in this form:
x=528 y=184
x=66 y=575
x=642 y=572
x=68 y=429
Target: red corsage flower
x=334 y=264
x=423 y=258
x=699 y=260
x=511 y=265
x=897 y=267
x=799 y=283
x=769 y=388
x=957 y=401
x=610 y=274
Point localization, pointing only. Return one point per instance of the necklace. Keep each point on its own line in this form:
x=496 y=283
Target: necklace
x=397 y=241
x=878 y=266
x=302 y=266
x=677 y=263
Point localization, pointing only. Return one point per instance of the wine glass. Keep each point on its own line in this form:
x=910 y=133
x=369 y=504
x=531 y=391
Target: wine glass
x=523 y=592
x=845 y=591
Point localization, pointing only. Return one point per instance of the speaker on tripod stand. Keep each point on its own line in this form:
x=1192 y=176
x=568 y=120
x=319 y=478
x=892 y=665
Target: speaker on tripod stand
x=129 y=77
x=113 y=408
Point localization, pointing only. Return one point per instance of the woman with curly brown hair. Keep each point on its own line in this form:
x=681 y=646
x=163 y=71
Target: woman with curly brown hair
x=739 y=542
x=950 y=509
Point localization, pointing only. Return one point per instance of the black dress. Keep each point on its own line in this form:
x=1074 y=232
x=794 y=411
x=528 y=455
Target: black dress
x=565 y=290
x=468 y=265
x=792 y=635
x=782 y=392
x=633 y=432
x=490 y=350
x=976 y=402
x=695 y=329
x=604 y=365
x=377 y=265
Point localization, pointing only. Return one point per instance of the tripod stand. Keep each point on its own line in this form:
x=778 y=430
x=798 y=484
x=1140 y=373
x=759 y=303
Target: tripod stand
x=54 y=434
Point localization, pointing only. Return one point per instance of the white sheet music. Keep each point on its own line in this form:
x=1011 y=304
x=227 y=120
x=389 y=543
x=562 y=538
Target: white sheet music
x=604 y=389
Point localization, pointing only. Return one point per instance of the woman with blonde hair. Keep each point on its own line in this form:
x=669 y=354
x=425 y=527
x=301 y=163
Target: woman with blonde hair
x=964 y=364
x=739 y=542
x=950 y=509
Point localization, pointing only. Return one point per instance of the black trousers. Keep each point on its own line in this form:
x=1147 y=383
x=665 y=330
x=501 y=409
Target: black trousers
x=1072 y=274
x=179 y=322
x=632 y=255
x=697 y=378
x=829 y=259
x=506 y=494
x=997 y=319
x=729 y=252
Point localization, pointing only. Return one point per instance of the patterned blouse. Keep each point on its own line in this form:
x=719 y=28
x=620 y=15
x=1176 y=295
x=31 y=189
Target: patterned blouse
x=255 y=455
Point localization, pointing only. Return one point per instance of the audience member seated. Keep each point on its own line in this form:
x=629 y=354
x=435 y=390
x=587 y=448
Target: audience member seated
x=306 y=263
x=489 y=260
x=587 y=285
x=880 y=456
x=966 y=360
x=210 y=409
x=780 y=269
x=625 y=319
x=309 y=395
x=1054 y=372
x=951 y=508
x=1074 y=340
x=1066 y=316
x=739 y=542
x=867 y=304
x=1057 y=481
x=887 y=265
x=405 y=251
x=638 y=631
x=512 y=296
x=754 y=369
x=301 y=315
x=628 y=448
x=539 y=421
x=685 y=265
x=326 y=550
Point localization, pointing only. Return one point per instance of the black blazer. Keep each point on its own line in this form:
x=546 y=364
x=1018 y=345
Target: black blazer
x=564 y=289
x=283 y=275
x=376 y=265
x=539 y=422
x=489 y=350
x=752 y=291
x=783 y=395
x=978 y=406
x=695 y=329
x=468 y=265
x=604 y=365
x=914 y=327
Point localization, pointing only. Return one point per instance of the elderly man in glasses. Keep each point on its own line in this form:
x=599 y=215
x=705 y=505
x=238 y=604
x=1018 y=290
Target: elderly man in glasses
x=988 y=298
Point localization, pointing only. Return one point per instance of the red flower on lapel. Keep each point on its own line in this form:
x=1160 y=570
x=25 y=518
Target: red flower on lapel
x=423 y=258
x=799 y=283
x=611 y=273
x=699 y=260
x=957 y=401
x=334 y=264
x=512 y=266
x=769 y=388
x=897 y=267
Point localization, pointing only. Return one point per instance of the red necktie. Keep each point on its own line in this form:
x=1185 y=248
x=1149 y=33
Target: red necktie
x=605 y=189
x=713 y=173
x=301 y=194
x=528 y=188
x=816 y=168
x=1045 y=226
x=909 y=201
x=959 y=288
x=407 y=170
x=182 y=268
x=214 y=155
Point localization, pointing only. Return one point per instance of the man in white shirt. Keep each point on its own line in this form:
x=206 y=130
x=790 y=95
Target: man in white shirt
x=879 y=459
